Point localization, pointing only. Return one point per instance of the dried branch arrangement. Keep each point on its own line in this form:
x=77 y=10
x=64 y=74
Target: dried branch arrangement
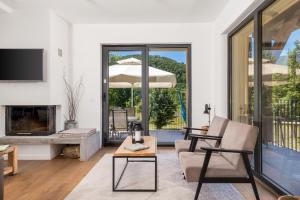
x=73 y=94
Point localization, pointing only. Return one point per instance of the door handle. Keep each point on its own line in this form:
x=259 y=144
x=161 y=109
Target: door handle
x=104 y=97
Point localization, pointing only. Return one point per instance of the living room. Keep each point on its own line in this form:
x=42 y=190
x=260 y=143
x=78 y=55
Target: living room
x=84 y=83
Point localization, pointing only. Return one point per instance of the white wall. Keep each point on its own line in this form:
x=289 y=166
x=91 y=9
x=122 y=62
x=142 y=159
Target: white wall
x=37 y=29
x=24 y=29
x=59 y=65
x=87 y=40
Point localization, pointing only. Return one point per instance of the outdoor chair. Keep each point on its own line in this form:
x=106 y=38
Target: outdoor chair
x=119 y=123
x=130 y=111
x=217 y=128
x=227 y=164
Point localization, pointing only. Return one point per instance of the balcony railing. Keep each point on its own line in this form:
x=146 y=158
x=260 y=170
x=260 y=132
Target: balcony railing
x=286 y=124
x=177 y=123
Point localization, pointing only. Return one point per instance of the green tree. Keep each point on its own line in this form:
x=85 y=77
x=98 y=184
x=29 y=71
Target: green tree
x=119 y=97
x=293 y=86
x=112 y=60
x=162 y=107
x=290 y=90
x=170 y=65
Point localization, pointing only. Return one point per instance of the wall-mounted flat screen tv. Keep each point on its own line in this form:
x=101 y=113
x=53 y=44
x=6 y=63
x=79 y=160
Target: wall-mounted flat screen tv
x=21 y=64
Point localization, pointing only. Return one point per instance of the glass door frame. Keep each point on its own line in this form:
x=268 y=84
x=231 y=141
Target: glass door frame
x=144 y=48
x=105 y=85
x=256 y=15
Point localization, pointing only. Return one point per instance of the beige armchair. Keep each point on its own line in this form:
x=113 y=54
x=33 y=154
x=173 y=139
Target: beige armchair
x=227 y=164
x=217 y=128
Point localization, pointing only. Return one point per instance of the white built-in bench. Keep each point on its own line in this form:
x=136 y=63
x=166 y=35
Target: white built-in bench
x=88 y=139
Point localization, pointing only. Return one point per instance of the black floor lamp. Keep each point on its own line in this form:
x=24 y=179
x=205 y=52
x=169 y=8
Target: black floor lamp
x=207 y=111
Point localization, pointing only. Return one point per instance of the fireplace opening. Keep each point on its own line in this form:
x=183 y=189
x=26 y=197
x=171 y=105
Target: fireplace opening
x=30 y=120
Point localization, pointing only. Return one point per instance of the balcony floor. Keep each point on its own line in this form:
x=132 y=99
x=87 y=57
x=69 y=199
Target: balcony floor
x=282 y=166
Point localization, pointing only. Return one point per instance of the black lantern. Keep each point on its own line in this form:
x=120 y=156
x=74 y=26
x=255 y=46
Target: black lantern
x=207 y=111
x=137 y=133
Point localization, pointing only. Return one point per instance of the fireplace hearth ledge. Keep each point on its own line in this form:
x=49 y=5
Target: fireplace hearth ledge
x=53 y=143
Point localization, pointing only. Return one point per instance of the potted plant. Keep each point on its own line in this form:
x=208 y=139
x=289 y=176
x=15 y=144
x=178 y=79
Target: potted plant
x=73 y=93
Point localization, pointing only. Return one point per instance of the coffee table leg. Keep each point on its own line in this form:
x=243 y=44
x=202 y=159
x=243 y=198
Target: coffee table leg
x=115 y=186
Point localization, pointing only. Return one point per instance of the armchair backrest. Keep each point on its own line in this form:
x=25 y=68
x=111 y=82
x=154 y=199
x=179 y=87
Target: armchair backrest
x=217 y=128
x=238 y=136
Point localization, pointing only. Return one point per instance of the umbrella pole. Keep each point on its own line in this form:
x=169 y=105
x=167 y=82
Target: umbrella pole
x=132 y=96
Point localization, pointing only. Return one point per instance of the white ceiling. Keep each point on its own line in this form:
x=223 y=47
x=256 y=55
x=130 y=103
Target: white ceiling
x=4 y=8
x=127 y=11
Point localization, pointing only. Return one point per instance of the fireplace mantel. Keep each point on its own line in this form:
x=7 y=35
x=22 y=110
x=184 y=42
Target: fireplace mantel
x=50 y=146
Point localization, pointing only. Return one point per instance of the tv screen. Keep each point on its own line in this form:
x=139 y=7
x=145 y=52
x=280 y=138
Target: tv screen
x=21 y=64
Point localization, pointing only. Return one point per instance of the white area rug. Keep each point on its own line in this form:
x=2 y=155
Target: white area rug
x=97 y=184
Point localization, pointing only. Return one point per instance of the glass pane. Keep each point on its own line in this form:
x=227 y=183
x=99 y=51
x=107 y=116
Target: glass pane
x=125 y=99
x=168 y=93
x=243 y=76
x=281 y=94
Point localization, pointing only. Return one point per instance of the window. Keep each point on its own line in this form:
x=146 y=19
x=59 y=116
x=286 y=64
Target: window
x=242 y=74
x=281 y=94
x=264 y=86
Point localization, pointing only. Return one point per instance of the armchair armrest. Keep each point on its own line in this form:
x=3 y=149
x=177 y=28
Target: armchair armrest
x=195 y=137
x=209 y=137
x=198 y=129
x=188 y=129
x=211 y=149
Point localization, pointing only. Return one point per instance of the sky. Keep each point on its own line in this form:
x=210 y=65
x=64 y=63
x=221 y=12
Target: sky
x=179 y=56
x=282 y=55
x=290 y=44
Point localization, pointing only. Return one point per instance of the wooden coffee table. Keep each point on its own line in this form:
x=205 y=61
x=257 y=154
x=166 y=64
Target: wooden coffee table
x=12 y=160
x=147 y=155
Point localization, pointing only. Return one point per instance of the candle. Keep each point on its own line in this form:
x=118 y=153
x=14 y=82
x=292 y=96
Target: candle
x=137 y=136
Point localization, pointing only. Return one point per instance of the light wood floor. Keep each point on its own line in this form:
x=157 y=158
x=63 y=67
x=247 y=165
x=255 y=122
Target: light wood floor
x=54 y=179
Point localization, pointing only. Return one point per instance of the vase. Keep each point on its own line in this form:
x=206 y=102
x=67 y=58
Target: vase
x=70 y=124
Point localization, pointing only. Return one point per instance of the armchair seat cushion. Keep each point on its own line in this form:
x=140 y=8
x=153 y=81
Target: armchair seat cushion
x=184 y=145
x=219 y=166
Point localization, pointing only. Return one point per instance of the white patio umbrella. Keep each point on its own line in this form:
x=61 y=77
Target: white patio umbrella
x=128 y=73
x=269 y=69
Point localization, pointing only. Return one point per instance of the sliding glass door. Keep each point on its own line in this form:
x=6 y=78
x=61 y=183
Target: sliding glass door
x=122 y=96
x=147 y=85
x=168 y=93
x=264 y=85
x=242 y=91
x=281 y=94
